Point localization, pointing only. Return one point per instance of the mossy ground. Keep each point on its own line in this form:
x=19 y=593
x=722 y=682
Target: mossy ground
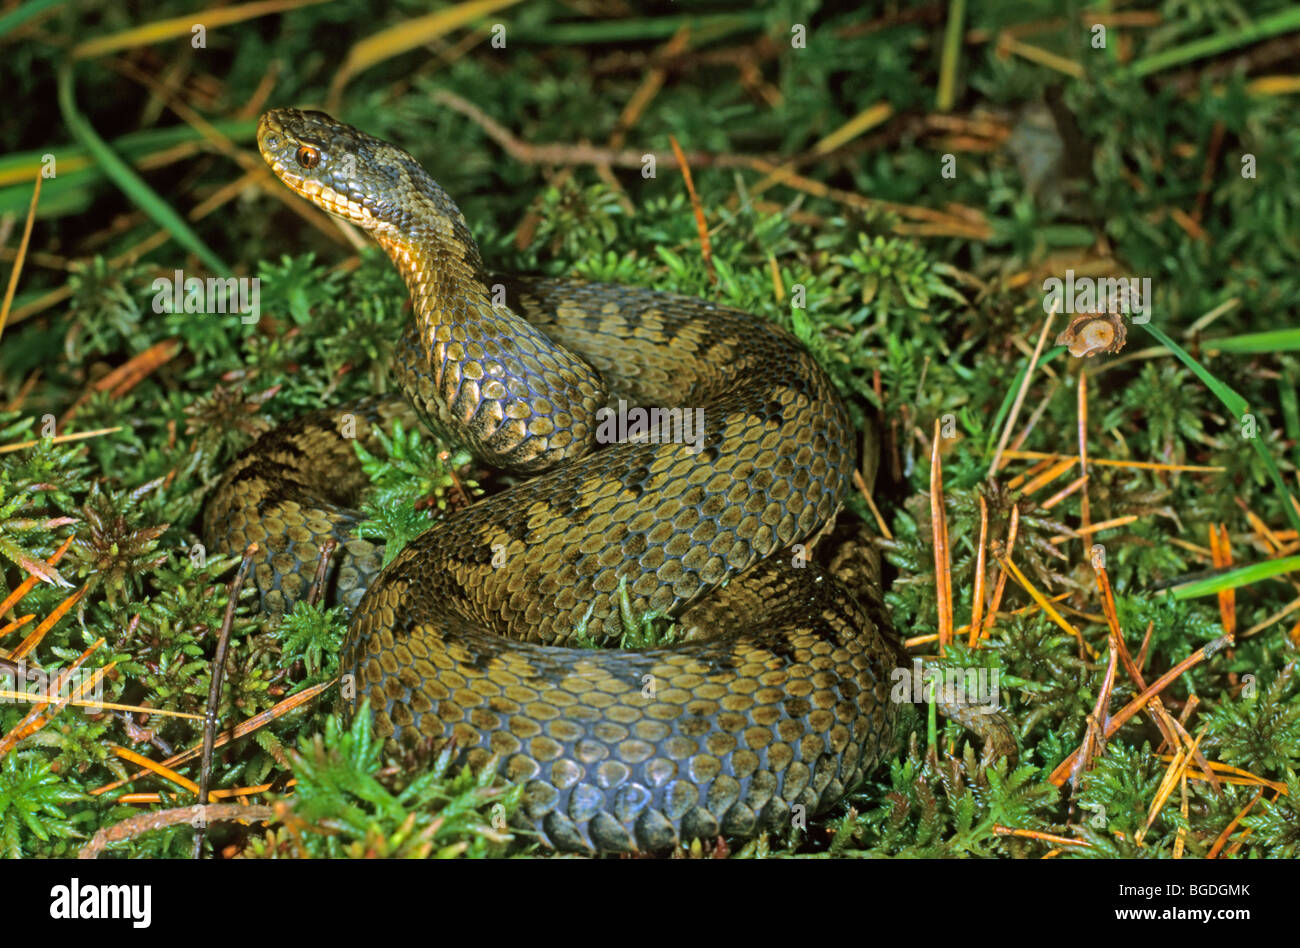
x=920 y=290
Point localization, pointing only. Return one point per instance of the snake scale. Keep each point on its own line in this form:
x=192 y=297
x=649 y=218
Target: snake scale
x=777 y=696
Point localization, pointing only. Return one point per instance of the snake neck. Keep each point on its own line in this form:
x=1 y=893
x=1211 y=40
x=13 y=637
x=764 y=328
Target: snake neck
x=432 y=248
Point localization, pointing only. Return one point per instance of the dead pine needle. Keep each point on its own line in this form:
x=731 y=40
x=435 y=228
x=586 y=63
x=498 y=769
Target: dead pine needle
x=939 y=531
x=1120 y=718
x=1001 y=583
x=977 y=599
x=22 y=255
x=706 y=248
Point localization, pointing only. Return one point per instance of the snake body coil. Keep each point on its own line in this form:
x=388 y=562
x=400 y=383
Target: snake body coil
x=778 y=695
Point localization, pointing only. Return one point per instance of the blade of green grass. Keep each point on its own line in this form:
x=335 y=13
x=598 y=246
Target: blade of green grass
x=1236 y=578
x=1274 y=340
x=131 y=184
x=1010 y=397
x=951 y=55
x=21 y=167
x=1286 y=394
x=24 y=12
x=1237 y=408
x=1269 y=26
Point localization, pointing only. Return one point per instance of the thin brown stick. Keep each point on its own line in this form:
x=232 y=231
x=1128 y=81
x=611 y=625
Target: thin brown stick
x=939 y=223
x=210 y=717
x=197 y=814
x=322 y=571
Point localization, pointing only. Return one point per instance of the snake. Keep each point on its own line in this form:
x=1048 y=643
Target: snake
x=774 y=700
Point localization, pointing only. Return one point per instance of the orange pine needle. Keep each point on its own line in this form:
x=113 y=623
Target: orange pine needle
x=1111 y=462
x=1094 y=528
x=1118 y=720
x=21 y=257
x=875 y=511
x=1051 y=474
x=131 y=373
x=242 y=729
x=1046 y=605
x=977 y=600
x=1221 y=555
x=166 y=773
x=36 y=719
x=1222 y=838
x=58 y=439
x=28 y=584
x=706 y=248
x=939 y=531
x=1001 y=584
x=34 y=639
x=1066 y=491
x=1035 y=834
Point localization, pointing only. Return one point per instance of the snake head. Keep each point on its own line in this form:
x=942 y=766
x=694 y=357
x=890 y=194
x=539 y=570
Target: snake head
x=362 y=179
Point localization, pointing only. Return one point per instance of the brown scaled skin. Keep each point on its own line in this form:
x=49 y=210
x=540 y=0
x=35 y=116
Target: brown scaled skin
x=779 y=696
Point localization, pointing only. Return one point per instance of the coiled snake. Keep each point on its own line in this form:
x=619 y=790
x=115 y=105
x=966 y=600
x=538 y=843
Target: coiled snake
x=776 y=698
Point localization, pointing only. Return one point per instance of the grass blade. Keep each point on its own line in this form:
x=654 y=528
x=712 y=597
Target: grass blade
x=1233 y=579
x=131 y=184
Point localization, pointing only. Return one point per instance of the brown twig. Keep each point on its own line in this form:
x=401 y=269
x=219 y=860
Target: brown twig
x=322 y=571
x=197 y=814
x=210 y=717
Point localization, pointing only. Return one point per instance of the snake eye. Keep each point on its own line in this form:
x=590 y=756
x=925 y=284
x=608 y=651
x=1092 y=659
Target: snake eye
x=308 y=156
